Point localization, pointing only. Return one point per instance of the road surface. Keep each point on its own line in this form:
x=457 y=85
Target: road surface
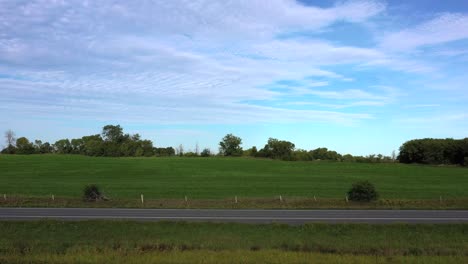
x=240 y=216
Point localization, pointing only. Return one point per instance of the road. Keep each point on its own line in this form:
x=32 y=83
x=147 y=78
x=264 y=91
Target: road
x=240 y=216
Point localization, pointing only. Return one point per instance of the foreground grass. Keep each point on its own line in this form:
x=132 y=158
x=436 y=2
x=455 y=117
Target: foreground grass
x=224 y=257
x=215 y=178
x=61 y=237
x=166 y=242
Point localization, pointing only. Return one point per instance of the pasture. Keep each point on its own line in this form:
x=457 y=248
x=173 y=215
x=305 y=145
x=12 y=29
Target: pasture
x=220 y=178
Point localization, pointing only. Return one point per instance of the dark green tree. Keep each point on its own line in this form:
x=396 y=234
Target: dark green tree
x=230 y=145
x=278 y=149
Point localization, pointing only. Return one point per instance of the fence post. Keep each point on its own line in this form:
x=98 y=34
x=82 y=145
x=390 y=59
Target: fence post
x=4 y=196
x=53 y=197
x=346 y=198
x=281 y=198
x=236 y=198
x=185 y=198
x=142 y=199
x=440 y=199
x=315 y=199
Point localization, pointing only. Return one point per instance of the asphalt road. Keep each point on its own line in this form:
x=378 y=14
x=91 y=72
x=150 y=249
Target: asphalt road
x=240 y=216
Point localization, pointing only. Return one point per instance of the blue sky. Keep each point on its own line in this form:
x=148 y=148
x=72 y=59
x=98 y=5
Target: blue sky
x=359 y=77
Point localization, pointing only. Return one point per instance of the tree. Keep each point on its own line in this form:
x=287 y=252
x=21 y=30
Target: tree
x=161 y=152
x=205 y=152
x=278 y=149
x=301 y=154
x=180 y=150
x=113 y=133
x=434 y=151
x=92 y=145
x=23 y=146
x=46 y=148
x=63 y=146
x=42 y=148
x=10 y=137
x=230 y=145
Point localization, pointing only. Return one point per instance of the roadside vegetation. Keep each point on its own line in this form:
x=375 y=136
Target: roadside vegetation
x=95 y=241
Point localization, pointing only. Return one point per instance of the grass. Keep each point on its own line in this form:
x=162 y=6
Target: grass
x=243 y=203
x=222 y=178
x=130 y=242
x=225 y=257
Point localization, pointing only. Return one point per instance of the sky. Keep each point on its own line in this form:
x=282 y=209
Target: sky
x=358 y=77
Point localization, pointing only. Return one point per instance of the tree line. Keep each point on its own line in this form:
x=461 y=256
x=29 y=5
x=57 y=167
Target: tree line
x=230 y=145
x=435 y=151
x=113 y=142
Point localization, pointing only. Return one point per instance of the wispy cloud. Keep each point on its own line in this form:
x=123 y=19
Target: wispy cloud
x=443 y=28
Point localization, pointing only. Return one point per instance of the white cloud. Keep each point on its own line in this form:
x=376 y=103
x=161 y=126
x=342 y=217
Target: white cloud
x=444 y=28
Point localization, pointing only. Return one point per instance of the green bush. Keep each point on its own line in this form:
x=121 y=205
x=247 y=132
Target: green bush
x=91 y=193
x=363 y=191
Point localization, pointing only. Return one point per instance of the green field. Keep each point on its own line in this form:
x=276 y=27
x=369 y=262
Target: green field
x=164 y=242
x=213 y=178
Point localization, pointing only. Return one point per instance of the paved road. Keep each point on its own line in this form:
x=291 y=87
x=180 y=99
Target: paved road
x=241 y=216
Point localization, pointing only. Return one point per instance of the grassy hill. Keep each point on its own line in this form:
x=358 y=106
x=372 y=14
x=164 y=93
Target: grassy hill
x=209 y=178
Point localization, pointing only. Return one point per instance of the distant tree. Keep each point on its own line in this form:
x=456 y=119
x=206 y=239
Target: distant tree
x=93 y=145
x=348 y=158
x=10 y=137
x=205 y=152
x=251 y=152
x=161 y=152
x=325 y=154
x=46 y=148
x=278 y=149
x=78 y=146
x=37 y=145
x=23 y=146
x=180 y=150
x=230 y=145
x=302 y=155
x=147 y=148
x=42 y=148
x=190 y=154
x=113 y=133
x=434 y=151
x=63 y=146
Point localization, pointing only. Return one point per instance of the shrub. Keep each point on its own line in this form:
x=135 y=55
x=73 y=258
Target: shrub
x=91 y=193
x=363 y=191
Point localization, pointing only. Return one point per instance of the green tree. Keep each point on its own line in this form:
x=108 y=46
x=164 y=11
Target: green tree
x=23 y=146
x=278 y=149
x=230 y=145
x=205 y=152
x=63 y=146
x=113 y=133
